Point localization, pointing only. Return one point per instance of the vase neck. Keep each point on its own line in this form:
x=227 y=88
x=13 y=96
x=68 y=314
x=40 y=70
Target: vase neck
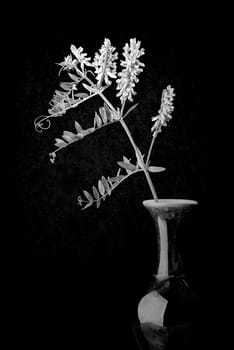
x=166 y=216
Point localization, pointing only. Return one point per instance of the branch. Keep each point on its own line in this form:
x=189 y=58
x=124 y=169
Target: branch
x=104 y=118
x=64 y=103
x=104 y=188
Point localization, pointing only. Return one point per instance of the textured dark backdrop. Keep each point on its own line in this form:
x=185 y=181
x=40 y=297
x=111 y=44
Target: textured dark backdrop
x=77 y=274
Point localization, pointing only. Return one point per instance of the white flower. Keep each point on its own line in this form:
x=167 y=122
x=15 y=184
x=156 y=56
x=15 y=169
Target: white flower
x=132 y=67
x=68 y=63
x=104 y=63
x=165 y=110
x=81 y=56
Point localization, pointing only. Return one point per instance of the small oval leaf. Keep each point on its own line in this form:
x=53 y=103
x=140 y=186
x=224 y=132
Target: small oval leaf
x=78 y=127
x=87 y=205
x=156 y=169
x=81 y=95
x=95 y=193
x=126 y=160
x=101 y=187
x=74 y=77
x=66 y=86
x=108 y=112
x=60 y=143
x=87 y=131
x=106 y=185
x=117 y=178
x=127 y=166
x=103 y=114
x=98 y=203
x=69 y=136
x=89 y=88
x=88 y=196
x=60 y=93
x=98 y=120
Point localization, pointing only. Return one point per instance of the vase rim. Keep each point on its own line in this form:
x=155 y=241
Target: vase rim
x=168 y=202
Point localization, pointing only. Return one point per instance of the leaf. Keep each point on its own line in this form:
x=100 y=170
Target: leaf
x=68 y=133
x=126 y=160
x=98 y=203
x=106 y=185
x=127 y=166
x=68 y=136
x=66 y=86
x=140 y=158
x=74 y=77
x=116 y=178
x=78 y=127
x=81 y=95
x=108 y=112
x=89 y=88
x=98 y=120
x=101 y=187
x=87 y=131
x=156 y=169
x=95 y=193
x=87 y=205
x=88 y=196
x=60 y=143
x=79 y=136
x=60 y=93
x=56 y=99
x=103 y=115
x=130 y=109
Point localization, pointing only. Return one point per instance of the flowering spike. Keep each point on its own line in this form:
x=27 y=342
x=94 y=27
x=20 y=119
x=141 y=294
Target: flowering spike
x=132 y=67
x=81 y=57
x=68 y=63
x=165 y=110
x=104 y=63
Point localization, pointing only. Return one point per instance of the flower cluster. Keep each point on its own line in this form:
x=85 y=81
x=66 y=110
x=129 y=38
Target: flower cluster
x=81 y=57
x=104 y=63
x=132 y=67
x=68 y=63
x=165 y=110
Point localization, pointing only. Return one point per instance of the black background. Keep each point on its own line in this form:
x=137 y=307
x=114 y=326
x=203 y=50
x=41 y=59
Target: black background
x=78 y=275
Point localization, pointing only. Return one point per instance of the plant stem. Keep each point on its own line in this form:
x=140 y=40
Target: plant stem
x=151 y=185
x=122 y=108
x=142 y=164
x=107 y=102
x=150 y=149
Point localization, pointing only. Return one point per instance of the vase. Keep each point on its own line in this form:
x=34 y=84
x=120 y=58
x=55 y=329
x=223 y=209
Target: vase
x=168 y=311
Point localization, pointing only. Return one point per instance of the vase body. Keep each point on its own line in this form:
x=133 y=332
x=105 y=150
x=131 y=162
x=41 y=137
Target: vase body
x=166 y=312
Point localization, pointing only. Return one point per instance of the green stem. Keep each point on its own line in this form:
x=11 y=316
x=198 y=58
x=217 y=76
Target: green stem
x=107 y=102
x=150 y=149
x=122 y=108
x=139 y=156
